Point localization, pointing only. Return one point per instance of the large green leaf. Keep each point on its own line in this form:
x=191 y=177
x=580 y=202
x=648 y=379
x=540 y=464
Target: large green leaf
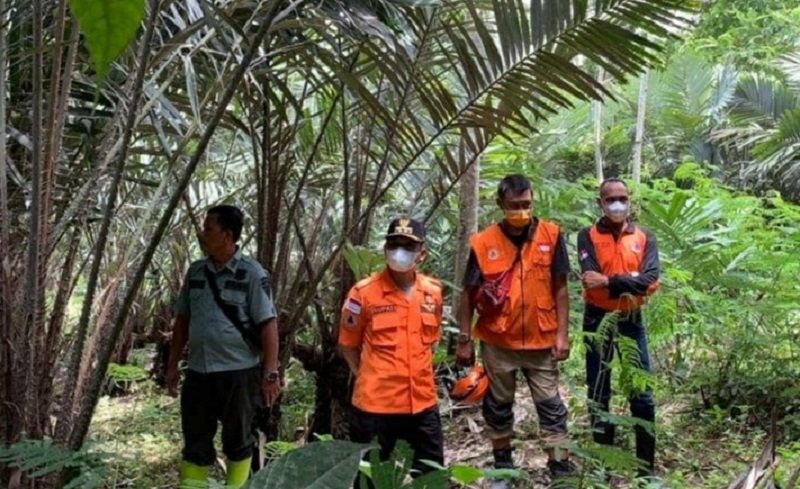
x=108 y=26
x=321 y=465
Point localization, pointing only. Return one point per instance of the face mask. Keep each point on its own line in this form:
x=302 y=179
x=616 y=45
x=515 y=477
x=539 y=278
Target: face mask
x=616 y=211
x=401 y=260
x=519 y=217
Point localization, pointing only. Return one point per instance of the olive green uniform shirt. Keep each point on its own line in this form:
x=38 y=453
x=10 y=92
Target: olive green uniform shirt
x=215 y=345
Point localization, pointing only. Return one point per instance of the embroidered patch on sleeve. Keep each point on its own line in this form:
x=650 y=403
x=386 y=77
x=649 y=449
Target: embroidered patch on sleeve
x=583 y=255
x=350 y=320
x=353 y=306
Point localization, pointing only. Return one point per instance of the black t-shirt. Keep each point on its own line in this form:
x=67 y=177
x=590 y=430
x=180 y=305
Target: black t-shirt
x=559 y=267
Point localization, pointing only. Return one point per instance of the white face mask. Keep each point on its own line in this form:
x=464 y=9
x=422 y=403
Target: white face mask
x=401 y=260
x=616 y=211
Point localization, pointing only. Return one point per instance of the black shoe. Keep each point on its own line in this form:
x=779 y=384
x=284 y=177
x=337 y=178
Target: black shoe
x=561 y=473
x=503 y=458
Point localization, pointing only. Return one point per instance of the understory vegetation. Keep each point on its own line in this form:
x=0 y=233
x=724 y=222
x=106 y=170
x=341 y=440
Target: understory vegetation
x=324 y=120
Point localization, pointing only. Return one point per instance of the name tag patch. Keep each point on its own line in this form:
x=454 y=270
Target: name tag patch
x=383 y=309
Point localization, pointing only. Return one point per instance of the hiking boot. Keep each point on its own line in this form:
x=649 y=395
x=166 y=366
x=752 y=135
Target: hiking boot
x=503 y=459
x=562 y=473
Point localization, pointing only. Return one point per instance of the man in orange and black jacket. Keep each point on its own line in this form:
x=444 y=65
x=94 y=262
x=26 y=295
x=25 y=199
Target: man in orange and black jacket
x=527 y=329
x=620 y=268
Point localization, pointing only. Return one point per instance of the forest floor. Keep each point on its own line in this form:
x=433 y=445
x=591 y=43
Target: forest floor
x=696 y=449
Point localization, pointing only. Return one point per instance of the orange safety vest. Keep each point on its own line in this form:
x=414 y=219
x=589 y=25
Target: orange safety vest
x=618 y=257
x=528 y=320
x=396 y=334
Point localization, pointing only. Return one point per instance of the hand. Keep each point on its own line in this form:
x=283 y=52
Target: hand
x=560 y=350
x=593 y=280
x=171 y=381
x=465 y=354
x=270 y=391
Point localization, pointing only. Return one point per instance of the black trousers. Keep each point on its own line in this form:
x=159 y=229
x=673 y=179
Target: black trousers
x=599 y=354
x=226 y=397
x=422 y=431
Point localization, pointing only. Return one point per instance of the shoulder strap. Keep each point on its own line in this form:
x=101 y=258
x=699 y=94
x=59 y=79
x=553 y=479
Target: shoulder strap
x=230 y=311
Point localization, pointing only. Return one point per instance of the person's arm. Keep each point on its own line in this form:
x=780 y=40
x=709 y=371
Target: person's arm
x=466 y=308
x=263 y=313
x=180 y=335
x=351 y=330
x=638 y=283
x=559 y=272
x=587 y=257
x=351 y=355
x=269 y=345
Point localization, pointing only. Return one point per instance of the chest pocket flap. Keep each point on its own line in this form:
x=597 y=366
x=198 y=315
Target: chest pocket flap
x=384 y=329
x=430 y=328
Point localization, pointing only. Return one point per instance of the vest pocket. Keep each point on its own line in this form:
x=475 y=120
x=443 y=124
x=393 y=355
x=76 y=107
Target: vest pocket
x=430 y=328
x=498 y=323
x=546 y=311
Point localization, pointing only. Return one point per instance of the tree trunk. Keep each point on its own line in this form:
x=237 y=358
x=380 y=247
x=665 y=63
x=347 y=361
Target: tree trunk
x=468 y=205
x=638 y=141
x=597 y=115
x=5 y=244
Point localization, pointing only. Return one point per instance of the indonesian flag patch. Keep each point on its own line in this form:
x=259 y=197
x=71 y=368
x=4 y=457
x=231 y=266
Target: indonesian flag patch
x=353 y=306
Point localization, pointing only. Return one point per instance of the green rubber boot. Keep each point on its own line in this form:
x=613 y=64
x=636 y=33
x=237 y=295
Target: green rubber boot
x=193 y=476
x=238 y=473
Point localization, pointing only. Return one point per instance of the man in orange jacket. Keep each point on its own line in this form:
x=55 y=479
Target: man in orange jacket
x=389 y=328
x=620 y=267
x=516 y=278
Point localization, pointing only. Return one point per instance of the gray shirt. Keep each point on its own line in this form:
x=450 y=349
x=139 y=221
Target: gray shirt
x=215 y=345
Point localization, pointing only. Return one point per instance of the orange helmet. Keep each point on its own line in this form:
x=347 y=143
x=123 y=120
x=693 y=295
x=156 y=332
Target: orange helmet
x=470 y=385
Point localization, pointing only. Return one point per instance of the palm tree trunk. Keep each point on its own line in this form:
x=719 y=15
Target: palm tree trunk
x=597 y=115
x=33 y=280
x=468 y=203
x=108 y=213
x=638 y=142
x=5 y=292
x=81 y=427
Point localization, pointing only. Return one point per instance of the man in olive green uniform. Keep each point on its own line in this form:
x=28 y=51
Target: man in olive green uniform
x=231 y=330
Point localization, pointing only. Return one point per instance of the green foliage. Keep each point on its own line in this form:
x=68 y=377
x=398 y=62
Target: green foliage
x=725 y=312
x=362 y=261
x=108 y=26
x=37 y=459
x=122 y=378
x=321 y=465
x=754 y=32
x=394 y=472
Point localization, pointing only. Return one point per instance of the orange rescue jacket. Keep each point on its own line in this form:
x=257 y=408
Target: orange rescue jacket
x=528 y=320
x=396 y=335
x=618 y=257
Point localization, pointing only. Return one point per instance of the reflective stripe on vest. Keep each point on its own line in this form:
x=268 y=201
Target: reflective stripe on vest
x=617 y=257
x=528 y=319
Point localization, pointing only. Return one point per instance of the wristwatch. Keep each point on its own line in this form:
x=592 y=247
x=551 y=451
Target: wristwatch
x=464 y=338
x=270 y=376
